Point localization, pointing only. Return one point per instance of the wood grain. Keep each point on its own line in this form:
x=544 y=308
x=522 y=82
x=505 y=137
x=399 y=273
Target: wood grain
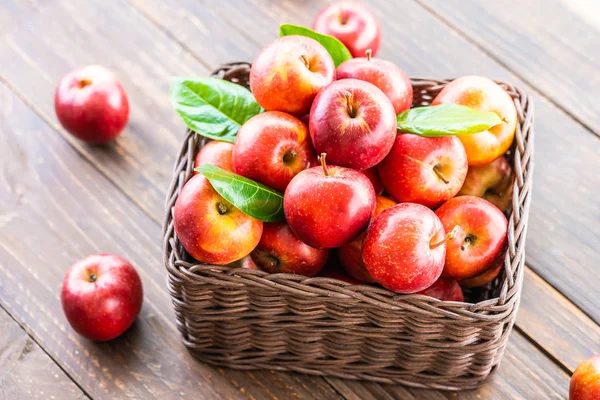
x=552 y=44
x=26 y=372
x=55 y=208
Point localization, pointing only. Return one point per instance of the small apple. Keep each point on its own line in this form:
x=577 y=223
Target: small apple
x=492 y=182
x=215 y=153
x=479 y=242
x=280 y=251
x=483 y=94
x=485 y=278
x=350 y=254
x=289 y=72
x=209 y=227
x=385 y=75
x=353 y=122
x=585 y=382
x=91 y=104
x=101 y=296
x=328 y=206
x=245 y=262
x=373 y=176
x=353 y=24
x=404 y=249
x=272 y=148
x=444 y=290
x=424 y=170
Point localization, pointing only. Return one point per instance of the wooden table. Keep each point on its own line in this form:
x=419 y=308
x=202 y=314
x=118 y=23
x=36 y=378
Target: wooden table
x=61 y=200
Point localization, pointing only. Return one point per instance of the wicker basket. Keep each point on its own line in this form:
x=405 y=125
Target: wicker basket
x=248 y=319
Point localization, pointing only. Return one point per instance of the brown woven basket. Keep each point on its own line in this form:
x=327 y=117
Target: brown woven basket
x=248 y=319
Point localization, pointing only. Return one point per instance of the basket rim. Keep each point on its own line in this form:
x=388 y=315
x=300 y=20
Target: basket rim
x=494 y=309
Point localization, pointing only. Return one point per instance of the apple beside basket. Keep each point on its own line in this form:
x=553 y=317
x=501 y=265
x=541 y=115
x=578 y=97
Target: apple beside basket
x=248 y=319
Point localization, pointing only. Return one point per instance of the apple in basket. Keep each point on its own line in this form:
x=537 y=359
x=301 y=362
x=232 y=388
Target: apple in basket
x=492 y=181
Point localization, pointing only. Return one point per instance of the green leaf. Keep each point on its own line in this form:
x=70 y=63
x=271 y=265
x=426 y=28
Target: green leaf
x=336 y=49
x=252 y=198
x=446 y=120
x=212 y=107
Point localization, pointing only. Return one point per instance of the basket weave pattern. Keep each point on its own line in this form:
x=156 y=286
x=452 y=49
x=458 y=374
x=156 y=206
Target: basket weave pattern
x=248 y=319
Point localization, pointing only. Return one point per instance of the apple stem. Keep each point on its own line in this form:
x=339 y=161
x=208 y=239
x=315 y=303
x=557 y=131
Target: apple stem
x=449 y=236
x=349 y=108
x=368 y=53
x=305 y=61
x=222 y=208
x=440 y=175
x=93 y=277
x=323 y=164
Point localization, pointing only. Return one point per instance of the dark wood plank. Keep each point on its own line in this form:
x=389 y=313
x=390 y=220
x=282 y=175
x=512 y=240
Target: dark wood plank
x=56 y=208
x=552 y=44
x=26 y=372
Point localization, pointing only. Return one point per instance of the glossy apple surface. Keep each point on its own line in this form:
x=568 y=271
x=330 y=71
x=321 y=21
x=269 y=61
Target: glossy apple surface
x=385 y=75
x=101 y=296
x=353 y=122
x=479 y=242
x=328 y=209
x=585 y=382
x=492 y=182
x=271 y=148
x=424 y=170
x=91 y=104
x=280 y=251
x=353 y=24
x=402 y=249
x=210 y=228
x=483 y=94
x=484 y=278
x=444 y=290
x=350 y=254
x=215 y=153
x=289 y=72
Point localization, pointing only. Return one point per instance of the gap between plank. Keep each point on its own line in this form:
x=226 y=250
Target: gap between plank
x=543 y=350
x=489 y=54
x=45 y=352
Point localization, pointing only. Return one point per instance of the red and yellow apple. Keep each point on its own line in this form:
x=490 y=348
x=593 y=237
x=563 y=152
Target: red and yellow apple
x=585 y=382
x=350 y=254
x=404 y=249
x=210 y=228
x=280 y=251
x=353 y=24
x=484 y=278
x=289 y=72
x=492 y=182
x=215 y=153
x=328 y=206
x=480 y=239
x=444 y=290
x=353 y=122
x=424 y=170
x=385 y=75
x=271 y=148
x=483 y=94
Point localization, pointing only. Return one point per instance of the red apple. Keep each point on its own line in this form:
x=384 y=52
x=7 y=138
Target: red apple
x=483 y=94
x=585 y=382
x=404 y=249
x=328 y=206
x=336 y=272
x=289 y=72
x=353 y=122
x=444 y=290
x=210 y=228
x=350 y=254
x=484 y=278
x=492 y=182
x=280 y=251
x=424 y=170
x=373 y=176
x=479 y=242
x=101 y=296
x=353 y=24
x=215 y=153
x=272 y=148
x=245 y=262
x=91 y=104
x=385 y=75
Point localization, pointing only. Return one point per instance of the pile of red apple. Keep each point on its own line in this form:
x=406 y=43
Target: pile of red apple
x=414 y=212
